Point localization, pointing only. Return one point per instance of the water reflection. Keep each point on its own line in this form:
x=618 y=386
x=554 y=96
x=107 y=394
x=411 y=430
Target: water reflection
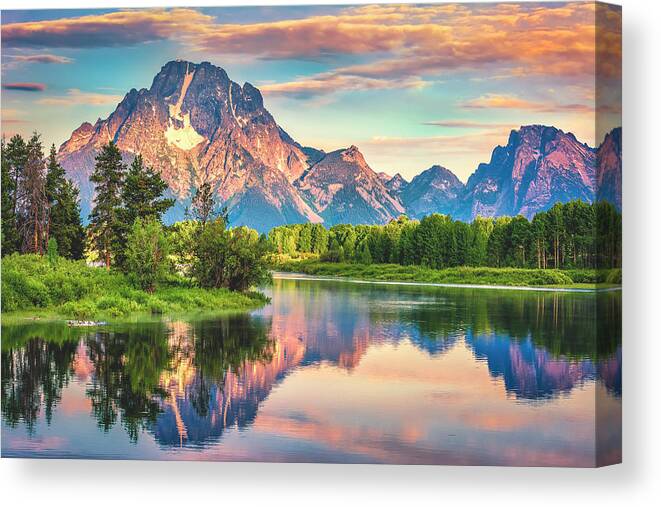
x=183 y=384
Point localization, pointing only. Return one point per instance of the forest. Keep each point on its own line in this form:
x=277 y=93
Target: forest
x=573 y=235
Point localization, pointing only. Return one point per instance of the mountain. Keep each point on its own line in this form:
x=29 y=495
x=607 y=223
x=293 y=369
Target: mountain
x=342 y=188
x=195 y=125
x=435 y=190
x=609 y=168
x=394 y=184
x=538 y=167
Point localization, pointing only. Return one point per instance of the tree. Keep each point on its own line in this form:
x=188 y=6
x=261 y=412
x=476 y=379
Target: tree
x=319 y=239
x=106 y=216
x=64 y=210
x=209 y=265
x=203 y=207
x=142 y=194
x=245 y=259
x=520 y=236
x=9 y=226
x=555 y=229
x=363 y=254
x=147 y=251
x=142 y=197
x=14 y=160
x=539 y=238
x=33 y=202
x=230 y=258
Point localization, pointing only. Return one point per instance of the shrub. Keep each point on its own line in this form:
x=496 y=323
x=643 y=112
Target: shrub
x=147 y=253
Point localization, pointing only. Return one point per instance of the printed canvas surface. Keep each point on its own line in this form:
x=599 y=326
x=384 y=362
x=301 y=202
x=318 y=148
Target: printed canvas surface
x=348 y=234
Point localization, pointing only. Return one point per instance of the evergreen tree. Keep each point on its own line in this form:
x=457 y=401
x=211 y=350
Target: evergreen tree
x=32 y=200
x=64 y=218
x=9 y=226
x=142 y=194
x=142 y=197
x=15 y=156
x=106 y=217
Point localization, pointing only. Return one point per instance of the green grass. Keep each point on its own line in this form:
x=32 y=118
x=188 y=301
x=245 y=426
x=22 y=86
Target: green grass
x=461 y=275
x=71 y=289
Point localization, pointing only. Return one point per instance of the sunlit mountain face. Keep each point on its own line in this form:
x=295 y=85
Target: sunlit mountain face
x=328 y=371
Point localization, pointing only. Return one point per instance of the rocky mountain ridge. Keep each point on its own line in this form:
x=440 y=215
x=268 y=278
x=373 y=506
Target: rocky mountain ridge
x=195 y=125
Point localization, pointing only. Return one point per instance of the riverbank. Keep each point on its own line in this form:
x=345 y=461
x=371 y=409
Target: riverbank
x=462 y=276
x=31 y=287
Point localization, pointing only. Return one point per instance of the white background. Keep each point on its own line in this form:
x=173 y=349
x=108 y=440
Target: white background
x=636 y=482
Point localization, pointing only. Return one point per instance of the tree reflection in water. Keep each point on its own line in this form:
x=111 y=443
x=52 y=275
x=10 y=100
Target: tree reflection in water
x=186 y=382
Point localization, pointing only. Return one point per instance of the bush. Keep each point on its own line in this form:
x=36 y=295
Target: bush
x=147 y=253
x=74 y=290
x=230 y=258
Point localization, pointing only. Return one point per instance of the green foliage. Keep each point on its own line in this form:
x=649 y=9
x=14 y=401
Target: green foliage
x=142 y=198
x=74 y=290
x=574 y=235
x=147 y=251
x=32 y=199
x=13 y=160
x=106 y=223
x=64 y=223
x=51 y=252
x=231 y=258
x=456 y=275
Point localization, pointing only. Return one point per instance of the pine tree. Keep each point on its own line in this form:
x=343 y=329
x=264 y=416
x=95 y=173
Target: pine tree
x=143 y=193
x=64 y=218
x=32 y=199
x=14 y=158
x=142 y=198
x=9 y=232
x=105 y=219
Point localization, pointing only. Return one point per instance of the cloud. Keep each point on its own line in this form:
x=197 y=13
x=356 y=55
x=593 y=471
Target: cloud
x=123 y=28
x=425 y=40
x=499 y=101
x=41 y=58
x=330 y=82
x=407 y=40
x=75 y=97
x=466 y=124
x=25 y=87
x=9 y=116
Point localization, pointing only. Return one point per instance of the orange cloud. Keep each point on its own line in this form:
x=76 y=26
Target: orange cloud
x=464 y=124
x=121 y=28
x=497 y=101
x=75 y=97
x=41 y=58
x=330 y=82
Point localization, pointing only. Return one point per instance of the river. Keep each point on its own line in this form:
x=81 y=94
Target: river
x=330 y=372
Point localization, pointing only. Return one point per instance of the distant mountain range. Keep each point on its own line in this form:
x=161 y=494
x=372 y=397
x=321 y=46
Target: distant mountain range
x=195 y=125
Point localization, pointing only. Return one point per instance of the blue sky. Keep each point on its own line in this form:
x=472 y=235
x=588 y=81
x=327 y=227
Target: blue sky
x=410 y=85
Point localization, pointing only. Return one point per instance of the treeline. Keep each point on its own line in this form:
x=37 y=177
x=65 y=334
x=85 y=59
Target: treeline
x=570 y=235
x=39 y=205
x=41 y=214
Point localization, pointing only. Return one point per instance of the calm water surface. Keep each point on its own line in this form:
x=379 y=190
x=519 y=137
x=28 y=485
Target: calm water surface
x=329 y=371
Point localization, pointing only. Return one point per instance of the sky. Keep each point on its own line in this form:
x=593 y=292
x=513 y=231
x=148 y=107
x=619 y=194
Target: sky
x=410 y=85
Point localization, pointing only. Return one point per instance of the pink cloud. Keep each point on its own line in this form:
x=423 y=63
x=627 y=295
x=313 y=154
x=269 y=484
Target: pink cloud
x=25 y=87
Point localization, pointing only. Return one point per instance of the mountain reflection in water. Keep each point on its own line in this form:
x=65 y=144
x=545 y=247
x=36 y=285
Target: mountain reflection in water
x=184 y=384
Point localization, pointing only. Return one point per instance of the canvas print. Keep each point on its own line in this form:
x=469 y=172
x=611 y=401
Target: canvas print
x=344 y=234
